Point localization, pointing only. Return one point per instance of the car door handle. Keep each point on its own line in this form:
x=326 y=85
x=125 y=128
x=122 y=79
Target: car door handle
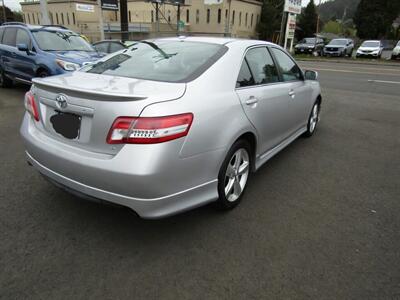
x=252 y=100
x=292 y=94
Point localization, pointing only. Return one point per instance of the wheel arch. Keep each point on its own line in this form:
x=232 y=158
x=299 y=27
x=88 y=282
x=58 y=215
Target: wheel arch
x=251 y=138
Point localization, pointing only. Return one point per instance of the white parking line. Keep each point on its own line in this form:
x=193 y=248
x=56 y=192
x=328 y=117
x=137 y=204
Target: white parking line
x=356 y=72
x=385 y=81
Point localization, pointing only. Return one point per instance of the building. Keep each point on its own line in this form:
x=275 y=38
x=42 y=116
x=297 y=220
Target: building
x=236 y=18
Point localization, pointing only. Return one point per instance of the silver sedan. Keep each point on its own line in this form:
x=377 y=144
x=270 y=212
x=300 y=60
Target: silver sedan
x=170 y=124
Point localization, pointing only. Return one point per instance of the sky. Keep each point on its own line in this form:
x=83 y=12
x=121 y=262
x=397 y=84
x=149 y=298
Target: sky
x=14 y=4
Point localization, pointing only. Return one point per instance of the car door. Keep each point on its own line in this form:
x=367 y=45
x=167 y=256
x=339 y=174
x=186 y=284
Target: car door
x=8 y=46
x=264 y=98
x=299 y=92
x=24 y=62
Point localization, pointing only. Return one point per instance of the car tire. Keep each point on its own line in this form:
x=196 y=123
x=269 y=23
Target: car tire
x=5 y=82
x=43 y=73
x=233 y=175
x=313 y=119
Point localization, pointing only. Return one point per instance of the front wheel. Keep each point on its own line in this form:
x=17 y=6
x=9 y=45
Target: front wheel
x=233 y=175
x=313 y=120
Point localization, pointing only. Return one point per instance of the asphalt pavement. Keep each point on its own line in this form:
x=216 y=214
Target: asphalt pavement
x=318 y=221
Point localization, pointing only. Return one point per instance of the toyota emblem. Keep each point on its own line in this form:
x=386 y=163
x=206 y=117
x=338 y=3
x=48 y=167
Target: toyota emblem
x=61 y=101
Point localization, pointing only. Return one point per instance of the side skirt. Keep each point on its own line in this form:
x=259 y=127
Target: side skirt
x=263 y=158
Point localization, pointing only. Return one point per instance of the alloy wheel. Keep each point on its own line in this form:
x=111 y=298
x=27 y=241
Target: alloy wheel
x=236 y=175
x=314 y=118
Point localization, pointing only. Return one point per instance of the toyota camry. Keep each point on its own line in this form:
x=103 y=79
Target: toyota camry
x=167 y=125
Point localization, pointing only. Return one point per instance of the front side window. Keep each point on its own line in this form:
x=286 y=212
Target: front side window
x=262 y=66
x=61 y=41
x=1 y=34
x=114 y=47
x=290 y=71
x=9 y=36
x=23 y=38
x=168 y=61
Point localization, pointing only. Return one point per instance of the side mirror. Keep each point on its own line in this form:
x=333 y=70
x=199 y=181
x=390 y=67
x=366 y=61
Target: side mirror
x=311 y=75
x=23 y=47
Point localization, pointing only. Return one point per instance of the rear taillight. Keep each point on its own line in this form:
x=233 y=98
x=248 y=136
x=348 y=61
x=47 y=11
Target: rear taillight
x=31 y=106
x=144 y=130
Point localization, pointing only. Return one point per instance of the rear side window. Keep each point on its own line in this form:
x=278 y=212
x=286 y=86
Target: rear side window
x=1 y=34
x=114 y=47
x=23 y=38
x=102 y=47
x=262 y=66
x=290 y=71
x=245 y=78
x=9 y=36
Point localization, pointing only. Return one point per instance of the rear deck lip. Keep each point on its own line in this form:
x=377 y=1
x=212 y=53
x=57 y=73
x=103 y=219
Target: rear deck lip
x=153 y=208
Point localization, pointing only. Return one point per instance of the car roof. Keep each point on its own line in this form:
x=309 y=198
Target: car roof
x=35 y=27
x=214 y=40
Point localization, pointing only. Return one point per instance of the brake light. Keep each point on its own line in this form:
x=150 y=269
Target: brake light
x=30 y=105
x=149 y=130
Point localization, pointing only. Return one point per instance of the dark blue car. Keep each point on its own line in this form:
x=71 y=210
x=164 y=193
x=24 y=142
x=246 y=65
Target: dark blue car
x=28 y=51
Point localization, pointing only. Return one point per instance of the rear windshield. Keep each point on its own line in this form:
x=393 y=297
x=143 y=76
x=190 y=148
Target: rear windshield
x=308 y=41
x=61 y=41
x=371 y=44
x=170 y=61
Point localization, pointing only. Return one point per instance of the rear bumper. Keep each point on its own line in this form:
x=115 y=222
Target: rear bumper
x=152 y=180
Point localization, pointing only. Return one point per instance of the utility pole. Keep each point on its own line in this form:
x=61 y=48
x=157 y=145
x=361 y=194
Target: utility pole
x=178 y=18
x=101 y=25
x=4 y=12
x=44 y=12
x=124 y=19
x=283 y=27
x=318 y=17
x=157 y=18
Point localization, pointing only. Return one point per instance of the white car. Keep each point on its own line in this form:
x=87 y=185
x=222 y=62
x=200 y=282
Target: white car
x=370 y=49
x=396 y=51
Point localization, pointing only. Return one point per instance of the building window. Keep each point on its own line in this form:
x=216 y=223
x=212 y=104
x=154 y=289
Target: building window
x=197 y=16
x=116 y=16
x=251 y=20
x=62 y=18
x=29 y=18
x=245 y=22
x=208 y=15
x=169 y=16
x=258 y=19
x=219 y=16
x=33 y=18
x=73 y=18
x=130 y=17
x=57 y=19
x=68 y=18
x=152 y=16
x=233 y=18
x=187 y=16
x=51 y=18
x=240 y=19
x=226 y=14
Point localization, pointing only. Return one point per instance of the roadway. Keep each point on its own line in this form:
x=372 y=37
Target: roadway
x=319 y=221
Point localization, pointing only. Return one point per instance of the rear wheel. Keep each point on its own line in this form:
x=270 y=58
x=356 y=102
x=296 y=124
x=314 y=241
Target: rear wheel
x=233 y=175
x=313 y=120
x=43 y=73
x=5 y=82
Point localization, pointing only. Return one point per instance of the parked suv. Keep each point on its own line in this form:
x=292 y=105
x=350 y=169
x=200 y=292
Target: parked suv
x=309 y=46
x=28 y=51
x=339 y=47
x=370 y=49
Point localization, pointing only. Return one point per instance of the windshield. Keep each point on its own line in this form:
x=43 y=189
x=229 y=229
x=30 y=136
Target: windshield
x=338 y=42
x=61 y=41
x=170 y=61
x=308 y=41
x=371 y=44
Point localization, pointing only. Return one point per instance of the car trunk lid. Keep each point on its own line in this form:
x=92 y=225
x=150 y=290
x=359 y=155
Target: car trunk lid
x=79 y=108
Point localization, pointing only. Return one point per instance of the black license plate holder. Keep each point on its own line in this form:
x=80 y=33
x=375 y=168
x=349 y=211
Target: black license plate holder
x=66 y=124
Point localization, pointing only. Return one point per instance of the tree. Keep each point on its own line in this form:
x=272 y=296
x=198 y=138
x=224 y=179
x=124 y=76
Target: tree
x=270 y=21
x=9 y=14
x=332 y=27
x=373 y=18
x=307 y=21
